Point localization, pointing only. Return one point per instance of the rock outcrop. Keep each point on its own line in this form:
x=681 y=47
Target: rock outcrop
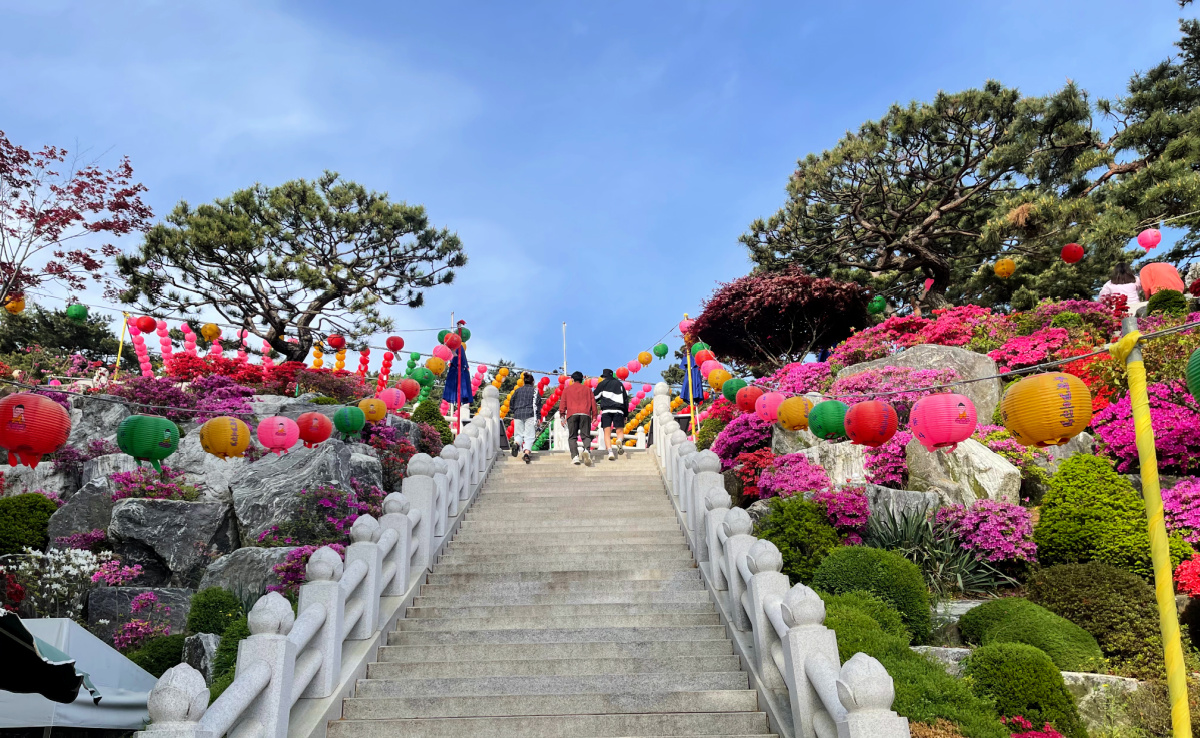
x=173 y=540
x=109 y=607
x=969 y=473
x=200 y=653
x=968 y=364
x=95 y=418
x=247 y=572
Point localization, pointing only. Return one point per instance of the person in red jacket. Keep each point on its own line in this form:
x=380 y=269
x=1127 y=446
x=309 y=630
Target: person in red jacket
x=577 y=407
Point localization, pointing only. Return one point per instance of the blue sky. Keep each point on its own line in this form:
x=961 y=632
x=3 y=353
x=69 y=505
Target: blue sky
x=598 y=160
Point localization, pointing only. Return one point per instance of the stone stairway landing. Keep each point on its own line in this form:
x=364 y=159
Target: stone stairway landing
x=568 y=604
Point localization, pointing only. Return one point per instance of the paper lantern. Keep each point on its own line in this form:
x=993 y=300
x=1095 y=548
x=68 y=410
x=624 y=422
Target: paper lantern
x=562 y=379
x=1072 y=253
x=392 y=398
x=15 y=304
x=436 y=365
x=793 y=413
x=146 y=324
x=210 y=331
x=373 y=409
x=661 y=350
x=465 y=333
x=766 y=406
x=441 y=352
x=225 y=437
x=871 y=423
x=827 y=420
x=148 y=438
x=647 y=388
x=336 y=341
x=699 y=346
x=481 y=369
x=77 y=313
x=32 y=426
x=731 y=387
x=877 y=304
x=423 y=376
x=685 y=326
x=703 y=356
x=747 y=397
x=394 y=343
x=628 y=386
x=1004 y=268
x=634 y=366
x=717 y=378
x=414 y=357
x=349 y=420
x=644 y=358
x=1049 y=409
x=411 y=388
x=442 y=336
x=943 y=421
x=622 y=372
x=277 y=434
x=453 y=342
x=1149 y=238
x=708 y=367
x=314 y=428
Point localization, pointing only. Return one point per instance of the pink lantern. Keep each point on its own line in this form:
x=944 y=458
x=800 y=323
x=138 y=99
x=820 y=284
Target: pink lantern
x=593 y=382
x=685 y=326
x=442 y=352
x=942 y=421
x=392 y=398
x=767 y=406
x=481 y=369
x=634 y=366
x=277 y=434
x=55 y=383
x=647 y=388
x=708 y=366
x=1149 y=238
x=628 y=386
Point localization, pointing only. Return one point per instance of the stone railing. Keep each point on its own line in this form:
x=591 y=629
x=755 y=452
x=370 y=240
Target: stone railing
x=293 y=669
x=778 y=629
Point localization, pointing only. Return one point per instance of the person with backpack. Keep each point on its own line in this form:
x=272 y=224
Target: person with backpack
x=613 y=400
x=577 y=407
x=525 y=405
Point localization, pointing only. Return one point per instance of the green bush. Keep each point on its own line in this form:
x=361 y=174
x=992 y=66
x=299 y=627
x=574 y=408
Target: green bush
x=225 y=660
x=708 y=432
x=1024 y=681
x=1116 y=607
x=890 y=576
x=212 y=611
x=24 y=521
x=1169 y=302
x=871 y=605
x=159 y=654
x=428 y=412
x=802 y=533
x=1067 y=320
x=1092 y=513
x=324 y=401
x=1017 y=620
x=924 y=691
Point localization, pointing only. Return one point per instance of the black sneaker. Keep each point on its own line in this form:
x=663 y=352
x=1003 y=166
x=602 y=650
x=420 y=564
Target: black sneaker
x=621 y=450
x=514 y=452
x=528 y=458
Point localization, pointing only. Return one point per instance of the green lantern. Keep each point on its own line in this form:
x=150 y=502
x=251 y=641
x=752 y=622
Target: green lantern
x=877 y=304
x=423 y=376
x=414 y=357
x=661 y=350
x=827 y=420
x=698 y=346
x=148 y=438
x=77 y=313
x=442 y=336
x=1193 y=374
x=731 y=387
x=349 y=420
x=464 y=333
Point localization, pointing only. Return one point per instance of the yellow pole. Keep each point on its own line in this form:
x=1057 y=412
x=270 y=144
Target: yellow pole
x=687 y=357
x=121 y=345
x=1160 y=554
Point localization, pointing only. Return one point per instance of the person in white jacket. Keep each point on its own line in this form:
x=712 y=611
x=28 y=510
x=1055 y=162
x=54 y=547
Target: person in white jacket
x=1123 y=281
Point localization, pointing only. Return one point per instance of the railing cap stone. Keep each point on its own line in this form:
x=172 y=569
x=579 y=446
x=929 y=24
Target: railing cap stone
x=864 y=685
x=179 y=696
x=707 y=461
x=271 y=615
x=801 y=606
x=365 y=530
x=325 y=565
x=737 y=522
x=763 y=556
x=420 y=465
x=396 y=504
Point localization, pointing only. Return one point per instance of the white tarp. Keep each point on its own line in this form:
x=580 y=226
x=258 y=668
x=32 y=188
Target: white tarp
x=122 y=684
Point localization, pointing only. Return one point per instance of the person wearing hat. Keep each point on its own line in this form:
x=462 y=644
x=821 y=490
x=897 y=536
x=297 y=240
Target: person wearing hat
x=577 y=407
x=613 y=400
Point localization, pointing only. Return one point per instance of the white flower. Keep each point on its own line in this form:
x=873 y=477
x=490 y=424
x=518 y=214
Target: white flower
x=102 y=622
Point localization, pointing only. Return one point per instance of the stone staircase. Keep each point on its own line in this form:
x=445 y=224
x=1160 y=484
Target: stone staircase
x=567 y=605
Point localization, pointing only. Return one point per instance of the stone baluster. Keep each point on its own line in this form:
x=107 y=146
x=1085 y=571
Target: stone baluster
x=177 y=703
x=867 y=692
x=270 y=621
x=478 y=451
x=683 y=479
x=441 y=484
x=640 y=437
x=364 y=547
x=395 y=517
x=454 y=480
x=674 y=441
x=419 y=489
x=670 y=429
x=807 y=637
x=321 y=589
x=462 y=442
x=767 y=585
x=707 y=481
x=717 y=503
x=738 y=541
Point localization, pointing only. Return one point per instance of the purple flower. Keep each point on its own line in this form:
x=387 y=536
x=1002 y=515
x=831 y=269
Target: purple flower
x=744 y=433
x=792 y=474
x=993 y=530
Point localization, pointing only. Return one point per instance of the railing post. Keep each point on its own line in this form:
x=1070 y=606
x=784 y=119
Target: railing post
x=364 y=534
x=767 y=585
x=418 y=488
x=395 y=517
x=867 y=692
x=718 y=503
x=441 y=485
x=321 y=589
x=450 y=455
x=683 y=479
x=707 y=481
x=270 y=621
x=737 y=542
x=640 y=437
x=463 y=444
x=176 y=703
x=804 y=614
x=674 y=440
x=478 y=452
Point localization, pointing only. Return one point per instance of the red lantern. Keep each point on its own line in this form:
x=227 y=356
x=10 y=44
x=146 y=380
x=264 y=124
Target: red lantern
x=366 y=351
x=314 y=428
x=32 y=426
x=146 y=324
x=746 y=397
x=1072 y=253
x=411 y=388
x=452 y=341
x=871 y=423
x=336 y=342
x=562 y=379
x=622 y=373
x=942 y=421
x=702 y=356
x=395 y=343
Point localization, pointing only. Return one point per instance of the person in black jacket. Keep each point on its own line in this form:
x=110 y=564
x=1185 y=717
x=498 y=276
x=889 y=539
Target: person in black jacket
x=613 y=401
x=525 y=406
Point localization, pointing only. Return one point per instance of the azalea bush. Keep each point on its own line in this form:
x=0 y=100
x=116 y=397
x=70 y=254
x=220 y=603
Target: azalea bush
x=394 y=452
x=1187 y=577
x=291 y=571
x=218 y=395
x=792 y=474
x=847 y=510
x=746 y=432
x=70 y=460
x=144 y=482
x=12 y=594
x=887 y=465
x=151 y=620
x=152 y=396
x=907 y=384
x=1181 y=508
x=1175 y=417
x=799 y=379
x=993 y=530
x=1038 y=347
x=894 y=334
x=749 y=467
x=94 y=540
x=325 y=516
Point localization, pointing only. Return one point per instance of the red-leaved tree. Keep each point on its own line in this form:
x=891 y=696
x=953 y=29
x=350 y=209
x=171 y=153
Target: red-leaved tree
x=774 y=318
x=49 y=204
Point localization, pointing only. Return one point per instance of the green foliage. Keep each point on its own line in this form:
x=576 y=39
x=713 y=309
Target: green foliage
x=428 y=412
x=924 y=691
x=1067 y=320
x=325 y=401
x=1115 y=606
x=1017 y=620
x=895 y=579
x=24 y=521
x=1168 y=302
x=1024 y=681
x=802 y=533
x=57 y=334
x=159 y=654
x=212 y=611
x=708 y=432
x=225 y=659
x=885 y=616
x=1092 y=513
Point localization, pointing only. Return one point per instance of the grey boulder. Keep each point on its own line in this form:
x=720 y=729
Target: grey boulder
x=173 y=540
x=200 y=651
x=91 y=507
x=247 y=572
x=844 y=462
x=267 y=492
x=109 y=607
x=93 y=418
x=969 y=365
x=900 y=502
x=969 y=473
x=105 y=466
x=210 y=473
x=47 y=477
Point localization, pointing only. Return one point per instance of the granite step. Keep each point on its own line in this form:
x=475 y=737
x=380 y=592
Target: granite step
x=500 y=598
x=624 y=725
x=554 y=611
x=356 y=708
x=557 y=650
x=542 y=685
x=585 y=634
x=549 y=667
x=563 y=622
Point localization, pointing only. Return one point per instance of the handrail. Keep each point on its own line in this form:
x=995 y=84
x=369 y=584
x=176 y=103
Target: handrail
x=287 y=658
x=788 y=647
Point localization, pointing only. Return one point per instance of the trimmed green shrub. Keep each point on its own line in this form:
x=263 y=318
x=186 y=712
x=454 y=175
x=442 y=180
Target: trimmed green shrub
x=212 y=611
x=895 y=579
x=708 y=432
x=1116 y=607
x=924 y=691
x=802 y=532
x=428 y=412
x=1024 y=681
x=325 y=401
x=1017 y=620
x=24 y=521
x=225 y=660
x=159 y=654
x=871 y=605
x=1092 y=513
x=1169 y=302
x=1067 y=320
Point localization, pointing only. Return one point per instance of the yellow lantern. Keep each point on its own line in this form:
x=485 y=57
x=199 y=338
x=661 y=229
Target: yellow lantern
x=225 y=437
x=1005 y=267
x=717 y=378
x=375 y=409
x=645 y=358
x=1046 y=409
x=435 y=365
x=15 y=305
x=341 y=360
x=318 y=362
x=210 y=331
x=793 y=413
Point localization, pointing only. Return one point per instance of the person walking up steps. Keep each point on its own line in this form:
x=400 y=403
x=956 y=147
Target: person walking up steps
x=526 y=403
x=613 y=400
x=577 y=407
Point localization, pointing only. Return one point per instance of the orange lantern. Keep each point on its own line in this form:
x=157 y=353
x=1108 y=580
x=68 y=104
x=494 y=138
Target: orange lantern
x=792 y=413
x=435 y=365
x=1004 y=268
x=210 y=331
x=1046 y=409
x=717 y=378
x=645 y=358
x=225 y=437
x=374 y=409
x=32 y=426
x=871 y=423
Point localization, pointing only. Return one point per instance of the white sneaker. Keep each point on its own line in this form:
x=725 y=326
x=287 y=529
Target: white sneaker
x=587 y=458
x=575 y=460
x=611 y=455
